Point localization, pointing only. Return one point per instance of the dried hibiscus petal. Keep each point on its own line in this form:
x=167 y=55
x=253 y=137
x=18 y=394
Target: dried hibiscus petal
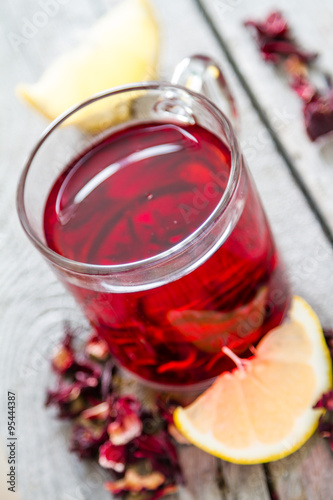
x=326 y=401
x=318 y=115
x=166 y=409
x=85 y=368
x=275 y=41
x=274 y=26
x=123 y=432
x=328 y=333
x=115 y=429
x=162 y=453
x=109 y=371
x=87 y=439
x=134 y=482
x=127 y=424
x=325 y=429
x=275 y=50
x=63 y=357
x=303 y=88
x=97 y=348
x=275 y=44
x=86 y=379
x=318 y=106
x=112 y=457
x=67 y=398
x=98 y=412
x=148 y=446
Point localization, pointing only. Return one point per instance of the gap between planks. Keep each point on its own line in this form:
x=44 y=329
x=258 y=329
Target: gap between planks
x=264 y=119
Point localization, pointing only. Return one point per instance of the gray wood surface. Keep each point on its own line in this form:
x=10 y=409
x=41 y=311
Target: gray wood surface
x=311 y=24
x=33 y=305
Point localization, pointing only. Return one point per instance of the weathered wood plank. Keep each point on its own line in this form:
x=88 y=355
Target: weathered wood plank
x=310 y=22
x=242 y=481
x=299 y=476
x=32 y=303
x=201 y=471
x=305 y=475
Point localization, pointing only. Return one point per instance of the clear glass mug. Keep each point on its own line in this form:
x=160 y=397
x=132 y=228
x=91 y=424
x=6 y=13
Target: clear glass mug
x=166 y=316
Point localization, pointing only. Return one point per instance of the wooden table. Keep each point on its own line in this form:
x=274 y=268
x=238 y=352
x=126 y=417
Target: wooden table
x=294 y=178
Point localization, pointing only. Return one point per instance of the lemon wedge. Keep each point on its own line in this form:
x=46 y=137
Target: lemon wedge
x=263 y=410
x=120 y=48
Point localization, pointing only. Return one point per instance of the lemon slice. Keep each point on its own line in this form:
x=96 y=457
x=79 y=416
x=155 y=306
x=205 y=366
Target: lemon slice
x=120 y=48
x=262 y=411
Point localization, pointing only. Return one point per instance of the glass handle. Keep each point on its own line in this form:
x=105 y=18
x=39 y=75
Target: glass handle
x=203 y=75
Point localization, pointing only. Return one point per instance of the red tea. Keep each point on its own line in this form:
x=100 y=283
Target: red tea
x=138 y=193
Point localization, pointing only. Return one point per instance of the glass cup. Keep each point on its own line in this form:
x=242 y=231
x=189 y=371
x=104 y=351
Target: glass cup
x=167 y=315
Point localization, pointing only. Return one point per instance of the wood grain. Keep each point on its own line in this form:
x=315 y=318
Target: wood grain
x=310 y=23
x=33 y=304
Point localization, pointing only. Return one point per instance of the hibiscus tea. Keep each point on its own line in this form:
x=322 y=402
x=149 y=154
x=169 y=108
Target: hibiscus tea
x=137 y=193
